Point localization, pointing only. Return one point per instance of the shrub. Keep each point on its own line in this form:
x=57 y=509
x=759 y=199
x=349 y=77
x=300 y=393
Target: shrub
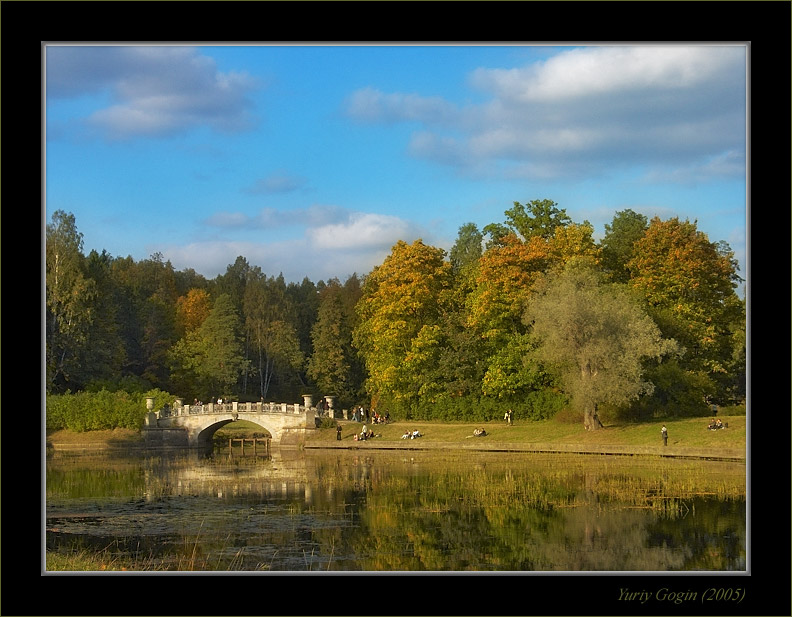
x=326 y=422
x=102 y=410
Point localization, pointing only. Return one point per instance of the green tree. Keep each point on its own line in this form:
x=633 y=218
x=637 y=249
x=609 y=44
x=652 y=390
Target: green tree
x=305 y=300
x=467 y=249
x=233 y=281
x=538 y=218
x=270 y=331
x=70 y=298
x=596 y=337
x=619 y=241
x=211 y=357
x=334 y=365
x=104 y=356
x=145 y=295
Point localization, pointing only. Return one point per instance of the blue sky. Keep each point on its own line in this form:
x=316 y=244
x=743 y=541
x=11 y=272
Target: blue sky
x=313 y=160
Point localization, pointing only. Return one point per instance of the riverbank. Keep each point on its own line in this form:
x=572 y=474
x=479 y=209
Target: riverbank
x=688 y=437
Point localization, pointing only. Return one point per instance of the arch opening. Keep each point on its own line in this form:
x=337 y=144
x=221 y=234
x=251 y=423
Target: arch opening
x=248 y=428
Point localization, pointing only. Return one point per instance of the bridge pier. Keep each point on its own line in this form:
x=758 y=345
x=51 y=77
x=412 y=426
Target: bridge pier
x=157 y=436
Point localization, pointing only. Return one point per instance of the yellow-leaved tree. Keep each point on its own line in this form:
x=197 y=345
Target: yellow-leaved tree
x=399 y=312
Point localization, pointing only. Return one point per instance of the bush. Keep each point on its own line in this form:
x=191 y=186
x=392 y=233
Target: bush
x=102 y=410
x=326 y=422
x=568 y=415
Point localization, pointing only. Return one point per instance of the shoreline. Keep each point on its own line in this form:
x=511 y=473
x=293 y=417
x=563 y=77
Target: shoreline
x=714 y=454
x=690 y=439
x=719 y=454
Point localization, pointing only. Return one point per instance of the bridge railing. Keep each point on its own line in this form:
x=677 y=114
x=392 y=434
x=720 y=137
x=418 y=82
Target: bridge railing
x=214 y=408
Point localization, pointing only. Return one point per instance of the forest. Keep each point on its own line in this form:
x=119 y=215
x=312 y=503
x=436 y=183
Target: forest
x=530 y=314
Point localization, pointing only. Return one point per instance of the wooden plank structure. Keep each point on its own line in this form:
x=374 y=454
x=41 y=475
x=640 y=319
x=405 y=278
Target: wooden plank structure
x=265 y=441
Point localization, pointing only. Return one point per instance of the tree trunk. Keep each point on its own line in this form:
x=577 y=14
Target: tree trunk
x=591 y=420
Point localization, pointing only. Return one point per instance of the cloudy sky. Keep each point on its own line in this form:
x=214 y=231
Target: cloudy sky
x=314 y=160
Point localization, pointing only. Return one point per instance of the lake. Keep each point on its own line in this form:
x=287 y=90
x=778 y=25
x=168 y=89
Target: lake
x=384 y=511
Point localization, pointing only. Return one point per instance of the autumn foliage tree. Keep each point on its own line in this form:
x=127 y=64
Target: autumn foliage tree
x=192 y=309
x=210 y=359
x=399 y=313
x=430 y=335
x=689 y=286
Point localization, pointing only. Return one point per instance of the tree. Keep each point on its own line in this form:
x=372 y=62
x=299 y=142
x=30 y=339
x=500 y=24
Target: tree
x=398 y=312
x=689 y=284
x=304 y=298
x=596 y=337
x=103 y=357
x=272 y=336
x=538 y=218
x=504 y=280
x=334 y=365
x=467 y=248
x=70 y=296
x=618 y=243
x=233 y=282
x=192 y=309
x=211 y=357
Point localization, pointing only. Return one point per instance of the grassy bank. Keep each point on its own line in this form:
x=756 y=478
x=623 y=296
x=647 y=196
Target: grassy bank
x=688 y=432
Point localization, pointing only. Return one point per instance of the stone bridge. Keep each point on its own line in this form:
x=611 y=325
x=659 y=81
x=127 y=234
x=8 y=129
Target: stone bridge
x=195 y=425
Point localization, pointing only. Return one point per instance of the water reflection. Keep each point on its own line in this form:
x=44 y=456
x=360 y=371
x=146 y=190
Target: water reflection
x=385 y=511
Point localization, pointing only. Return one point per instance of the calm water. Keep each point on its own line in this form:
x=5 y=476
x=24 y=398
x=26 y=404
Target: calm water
x=387 y=511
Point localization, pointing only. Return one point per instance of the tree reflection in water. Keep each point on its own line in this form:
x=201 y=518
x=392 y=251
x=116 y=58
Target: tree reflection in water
x=385 y=511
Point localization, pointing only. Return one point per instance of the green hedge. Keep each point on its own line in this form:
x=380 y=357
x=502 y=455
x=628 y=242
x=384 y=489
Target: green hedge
x=103 y=410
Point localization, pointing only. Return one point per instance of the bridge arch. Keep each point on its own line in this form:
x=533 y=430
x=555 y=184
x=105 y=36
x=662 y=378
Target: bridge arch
x=202 y=434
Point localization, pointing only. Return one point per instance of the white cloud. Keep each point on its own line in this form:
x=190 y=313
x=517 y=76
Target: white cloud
x=155 y=90
x=586 y=72
x=584 y=111
x=361 y=231
x=270 y=218
x=334 y=243
x=727 y=164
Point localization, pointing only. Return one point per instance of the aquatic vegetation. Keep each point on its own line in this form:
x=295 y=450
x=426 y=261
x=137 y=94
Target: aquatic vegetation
x=396 y=511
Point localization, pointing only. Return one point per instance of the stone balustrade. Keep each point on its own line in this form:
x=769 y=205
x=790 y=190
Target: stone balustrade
x=233 y=407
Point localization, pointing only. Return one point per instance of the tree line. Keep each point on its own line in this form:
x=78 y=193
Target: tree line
x=530 y=314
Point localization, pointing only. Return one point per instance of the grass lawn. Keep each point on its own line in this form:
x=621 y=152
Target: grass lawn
x=687 y=432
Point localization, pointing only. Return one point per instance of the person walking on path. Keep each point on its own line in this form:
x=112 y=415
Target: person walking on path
x=338 y=432
x=664 y=434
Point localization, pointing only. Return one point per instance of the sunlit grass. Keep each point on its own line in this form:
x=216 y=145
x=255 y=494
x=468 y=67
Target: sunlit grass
x=687 y=432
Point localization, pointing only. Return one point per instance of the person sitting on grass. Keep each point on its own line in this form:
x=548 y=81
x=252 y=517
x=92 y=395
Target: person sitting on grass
x=406 y=435
x=416 y=434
